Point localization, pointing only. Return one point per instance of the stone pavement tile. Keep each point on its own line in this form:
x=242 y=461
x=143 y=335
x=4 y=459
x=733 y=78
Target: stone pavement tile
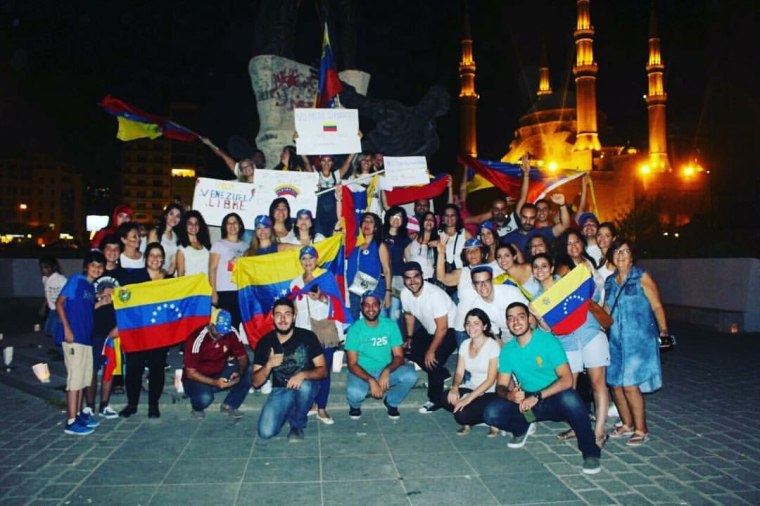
x=273 y=470
x=56 y=491
x=72 y=475
x=130 y=472
x=410 y=422
x=752 y=497
x=192 y=470
x=365 y=493
x=358 y=468
x=442 y=491
x=112 y=494
x=633 y=499
x=217 y=493
x=433 y=442
x=503 y=461
x=279 y=446
x=422 y=465
x=730 y=482
x=477 y=441
x=633 y=478
x=684 y=474
x=607 y=482
x=703 y=469
x=26 y=488
x=279 y=494
x=152 y=448
x=578 y=482
x=366 y=425
x=351 y=444
x=14 y=501
x=528 y=488
x=218 y=448
x=595 y=497
x=566 y=468
x=655 y=494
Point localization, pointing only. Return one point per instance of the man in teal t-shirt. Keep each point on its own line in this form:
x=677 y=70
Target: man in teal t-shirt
x=376 y=360
x=535 y=383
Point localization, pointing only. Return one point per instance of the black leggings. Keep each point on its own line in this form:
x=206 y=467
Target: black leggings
x=155 y=359
x=438 y=374
x=472 y=414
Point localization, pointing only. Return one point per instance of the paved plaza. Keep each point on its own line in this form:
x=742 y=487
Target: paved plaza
x=705 y=447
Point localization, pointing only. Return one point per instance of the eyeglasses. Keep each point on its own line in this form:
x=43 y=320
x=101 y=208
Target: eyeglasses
x=481 y=282
x=623 y=251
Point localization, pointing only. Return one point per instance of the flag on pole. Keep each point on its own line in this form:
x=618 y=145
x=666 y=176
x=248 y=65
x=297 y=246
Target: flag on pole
x=564 y=306
x=263 y=279
x=508 y=177
x=161 y=313
x=135 y=123
x=329 y=82
x=406 y=194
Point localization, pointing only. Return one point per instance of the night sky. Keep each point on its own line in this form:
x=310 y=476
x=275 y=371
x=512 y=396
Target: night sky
x=60 y=58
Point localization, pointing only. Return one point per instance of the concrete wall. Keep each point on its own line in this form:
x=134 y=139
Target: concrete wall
x=717 y=292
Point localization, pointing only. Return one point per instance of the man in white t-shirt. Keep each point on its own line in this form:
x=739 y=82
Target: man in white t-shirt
x=493 y=299
x=434 y=342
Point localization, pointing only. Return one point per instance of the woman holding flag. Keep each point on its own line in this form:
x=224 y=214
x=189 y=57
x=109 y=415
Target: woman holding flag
x=312 y=313
x=369 y=264
x=586 y=347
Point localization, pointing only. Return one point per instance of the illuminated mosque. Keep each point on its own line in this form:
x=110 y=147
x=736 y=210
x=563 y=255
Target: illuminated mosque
x=561 y=131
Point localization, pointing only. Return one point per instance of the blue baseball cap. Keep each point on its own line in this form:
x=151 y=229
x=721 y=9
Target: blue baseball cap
x=482 y=268
x=304 y=212
x=473 y=243
x=368 y=294
x=222 y=320
x=585 y=217
x=486 y=224
x=262 y=221
x=308 y=250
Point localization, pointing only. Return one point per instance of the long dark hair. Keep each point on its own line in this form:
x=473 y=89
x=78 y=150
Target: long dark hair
x=154 y=245
x=161 y=226
x=202 y=235
x=240 y=222
x=433 y=233
x=294 y=161
x=276 y=202
x=402 y=231
x=377 y=237
x=483 y=317
x=560 y=251
x=460 y=222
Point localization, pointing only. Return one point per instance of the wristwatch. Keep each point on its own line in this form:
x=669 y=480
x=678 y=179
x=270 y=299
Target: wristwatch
x=538 y=396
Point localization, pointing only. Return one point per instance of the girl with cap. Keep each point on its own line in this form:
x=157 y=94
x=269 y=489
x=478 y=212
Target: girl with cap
x=489 y=239
x=264 y=240
x=312 y=312
x=304 y=232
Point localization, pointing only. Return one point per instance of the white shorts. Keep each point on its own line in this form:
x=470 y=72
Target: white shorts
x=595 y=354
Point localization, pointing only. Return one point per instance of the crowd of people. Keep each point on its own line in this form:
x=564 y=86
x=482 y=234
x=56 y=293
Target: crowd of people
x=421 y=287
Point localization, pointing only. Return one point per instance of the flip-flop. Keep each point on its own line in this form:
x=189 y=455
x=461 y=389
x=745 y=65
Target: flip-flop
x=568 y=434
x=638 y=439
x=621 y=431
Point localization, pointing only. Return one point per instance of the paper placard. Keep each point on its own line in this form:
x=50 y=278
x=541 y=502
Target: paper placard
x=297 y=187
x=405 y=171
x=327 y=131
x=216 y=198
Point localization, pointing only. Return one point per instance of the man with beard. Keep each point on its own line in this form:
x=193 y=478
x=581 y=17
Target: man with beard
x=535 y=383
x=522 y=236
x=293 y=357
x=432 y=344
x=375 y=359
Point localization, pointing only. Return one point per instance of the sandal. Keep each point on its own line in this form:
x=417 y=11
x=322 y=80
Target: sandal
x=602 y=440
x=463 y=430
x=621 y=431
x=568 y=434
x=638 y=439
x=493 y=431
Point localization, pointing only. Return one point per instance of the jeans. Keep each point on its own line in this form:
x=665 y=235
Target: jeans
x=472 y=414
x=402 y=380
x=202 y=395
x=324 y=384
x=438 y=374
x=564 y=406
x=286 y=405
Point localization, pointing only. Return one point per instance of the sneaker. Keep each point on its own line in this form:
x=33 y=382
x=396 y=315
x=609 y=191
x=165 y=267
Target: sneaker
x=295 y=435
x=266 y=388
x=77 y=429
x=87 y=420
x=198 y=415
x=231 y=412
x=532 y=428
x=429 y=407
x=355 y=413
x=108 y=413
x=393 y=413
x=519 y=441
x=591 y=465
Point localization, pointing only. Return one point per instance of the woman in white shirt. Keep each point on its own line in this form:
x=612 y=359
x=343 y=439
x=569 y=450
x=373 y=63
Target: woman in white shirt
x=194 y=245
x=165 y=234
x=224 y=254
x=130 y=258
x=478 y=356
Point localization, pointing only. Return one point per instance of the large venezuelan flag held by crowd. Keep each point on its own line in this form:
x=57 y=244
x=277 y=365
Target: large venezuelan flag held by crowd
x=161 y=313
x=263 y=279
x=564 y=306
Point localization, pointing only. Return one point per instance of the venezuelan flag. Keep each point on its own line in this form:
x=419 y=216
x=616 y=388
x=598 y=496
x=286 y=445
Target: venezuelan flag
x=508 y=177
x=564 y=306
x=161 y=313
x=506 y=279
x=406 y=194
x=329 y=82
x=263 y=279
x=109 y=351
x=325 y=281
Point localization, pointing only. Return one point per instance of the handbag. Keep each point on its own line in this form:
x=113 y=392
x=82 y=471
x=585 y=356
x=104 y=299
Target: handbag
x=326 y=330
x=604 y=318
x=363 y=283
x=667 y=343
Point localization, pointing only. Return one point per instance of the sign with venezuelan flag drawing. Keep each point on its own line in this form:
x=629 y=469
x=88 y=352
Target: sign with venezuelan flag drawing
x=161 y=313
x=263 y=279
x=297 y=187
x=564 y=306
x=327 y=131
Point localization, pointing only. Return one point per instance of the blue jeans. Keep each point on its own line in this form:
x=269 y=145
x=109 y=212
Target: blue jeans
x=402 y=380
x=564 y=406
x=287 y=405
x=324 y=384
x=202 y=395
